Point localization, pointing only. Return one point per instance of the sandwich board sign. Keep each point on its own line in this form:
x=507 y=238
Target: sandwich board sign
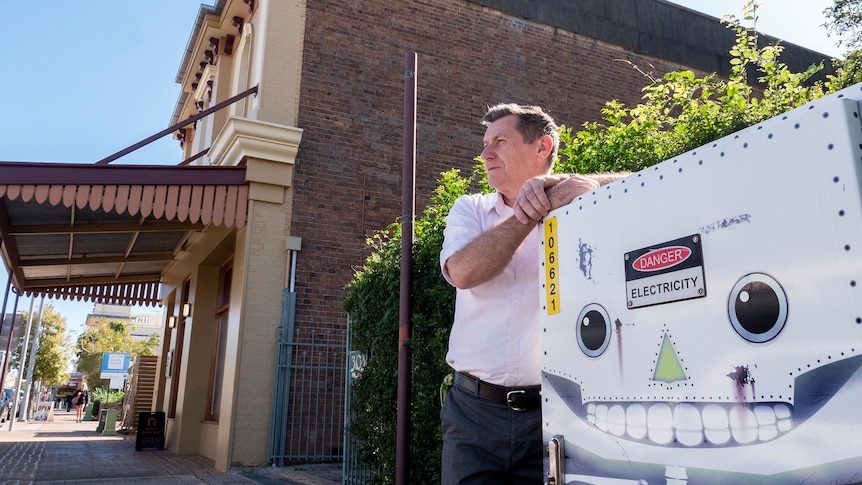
x=151 y=431
x=702 y=318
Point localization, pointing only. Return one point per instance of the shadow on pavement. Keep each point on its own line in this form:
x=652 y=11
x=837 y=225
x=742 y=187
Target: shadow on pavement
x=63 y=451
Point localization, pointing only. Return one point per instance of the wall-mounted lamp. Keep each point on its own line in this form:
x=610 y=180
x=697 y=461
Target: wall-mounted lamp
x=172 y=321
x=187 y=309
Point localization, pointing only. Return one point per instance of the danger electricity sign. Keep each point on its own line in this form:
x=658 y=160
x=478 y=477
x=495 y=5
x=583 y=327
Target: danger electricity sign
x=664 y=273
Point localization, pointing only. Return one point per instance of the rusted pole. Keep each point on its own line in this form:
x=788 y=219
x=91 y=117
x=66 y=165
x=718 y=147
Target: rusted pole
x=408 y=207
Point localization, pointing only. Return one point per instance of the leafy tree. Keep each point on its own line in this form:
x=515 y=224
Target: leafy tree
x=844 y=19
x=679 y=112
x=848 y=71
x=54 y=352
x=373 y=304
x=108 y=337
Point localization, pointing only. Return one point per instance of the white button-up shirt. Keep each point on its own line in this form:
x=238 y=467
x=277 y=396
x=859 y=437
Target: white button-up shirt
x=496 y=334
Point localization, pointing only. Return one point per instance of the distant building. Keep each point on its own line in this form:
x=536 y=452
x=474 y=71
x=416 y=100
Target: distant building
x=63 y=391
x=140 y=325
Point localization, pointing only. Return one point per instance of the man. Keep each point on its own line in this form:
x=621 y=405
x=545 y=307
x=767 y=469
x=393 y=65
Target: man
x=491 y=419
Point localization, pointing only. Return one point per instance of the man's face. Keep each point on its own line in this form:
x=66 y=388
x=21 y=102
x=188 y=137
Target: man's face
x=509 y=161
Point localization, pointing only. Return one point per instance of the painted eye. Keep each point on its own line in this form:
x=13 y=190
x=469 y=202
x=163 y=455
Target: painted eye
x=594 y=330
x=757 y=307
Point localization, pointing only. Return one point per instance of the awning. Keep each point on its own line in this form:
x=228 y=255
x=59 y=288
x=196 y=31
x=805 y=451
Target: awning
x=106 y=233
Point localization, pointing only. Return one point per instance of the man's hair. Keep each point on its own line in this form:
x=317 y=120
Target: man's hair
x=533 y=123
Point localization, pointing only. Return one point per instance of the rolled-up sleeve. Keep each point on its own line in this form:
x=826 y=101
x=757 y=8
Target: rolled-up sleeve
x=463 y=224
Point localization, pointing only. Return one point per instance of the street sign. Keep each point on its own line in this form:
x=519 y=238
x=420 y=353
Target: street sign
x=115 y=366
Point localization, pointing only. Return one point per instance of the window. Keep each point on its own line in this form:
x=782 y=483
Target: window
x=219 y=343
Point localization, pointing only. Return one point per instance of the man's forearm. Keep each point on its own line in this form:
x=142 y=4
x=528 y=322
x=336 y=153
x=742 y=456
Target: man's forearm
x=486 y=256
x=604 y=178
x=566 y=191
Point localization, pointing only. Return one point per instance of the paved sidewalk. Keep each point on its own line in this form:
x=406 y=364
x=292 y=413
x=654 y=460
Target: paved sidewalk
x=65 y=452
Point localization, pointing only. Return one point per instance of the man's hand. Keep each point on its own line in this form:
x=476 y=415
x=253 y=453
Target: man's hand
x=542 y=194
x=574 y=186
x=532 y=202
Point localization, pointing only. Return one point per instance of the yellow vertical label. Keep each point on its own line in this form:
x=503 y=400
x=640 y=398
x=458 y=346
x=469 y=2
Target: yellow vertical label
x=552 y=277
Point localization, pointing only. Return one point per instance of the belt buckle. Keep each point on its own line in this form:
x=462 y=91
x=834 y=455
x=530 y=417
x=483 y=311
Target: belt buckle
x=510 y=399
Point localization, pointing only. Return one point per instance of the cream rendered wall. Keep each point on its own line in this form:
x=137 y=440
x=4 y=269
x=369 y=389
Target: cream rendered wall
x=242 y=76
x=279 y=39
x=199 y=261
x=167 y=342
x=209 y=442
x=188 y=433
x=170 y=296
x=276 y=65
x=265 y=266
x=260 y=133
x=230 y=401
x=194 y=377
x=260 y=276
x=221 y=90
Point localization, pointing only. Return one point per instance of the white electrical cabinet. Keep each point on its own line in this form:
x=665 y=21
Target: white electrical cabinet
x=702 y=318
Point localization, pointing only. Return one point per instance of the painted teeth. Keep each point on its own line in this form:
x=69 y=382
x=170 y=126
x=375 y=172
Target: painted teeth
x=692 y=424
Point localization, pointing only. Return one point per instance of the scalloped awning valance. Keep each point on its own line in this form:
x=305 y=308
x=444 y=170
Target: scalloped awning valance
x=217 y=204
x=105 y=233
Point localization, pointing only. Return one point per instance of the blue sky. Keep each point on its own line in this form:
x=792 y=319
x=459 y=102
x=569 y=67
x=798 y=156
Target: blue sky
x=795 y=21
x=86 y=79
x=82 y=80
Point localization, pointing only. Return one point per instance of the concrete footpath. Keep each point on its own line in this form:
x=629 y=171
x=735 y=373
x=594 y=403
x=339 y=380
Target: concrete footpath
x=65 y=452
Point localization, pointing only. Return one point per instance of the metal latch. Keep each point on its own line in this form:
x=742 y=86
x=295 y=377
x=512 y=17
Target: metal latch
x=557 y=458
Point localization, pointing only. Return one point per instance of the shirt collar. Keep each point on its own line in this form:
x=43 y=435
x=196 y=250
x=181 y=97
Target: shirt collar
x=495 y=203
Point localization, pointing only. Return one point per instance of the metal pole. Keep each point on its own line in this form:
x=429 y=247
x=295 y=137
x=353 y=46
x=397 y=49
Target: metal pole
x=34 y=348
x=408 y=207
x=23 y=354
x=177 y=126
x=11 y=334
x=3 y=308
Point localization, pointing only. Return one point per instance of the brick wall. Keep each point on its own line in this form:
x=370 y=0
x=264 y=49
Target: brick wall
x=347 y=180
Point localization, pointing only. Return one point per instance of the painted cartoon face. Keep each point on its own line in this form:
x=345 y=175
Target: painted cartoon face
x=712 y=303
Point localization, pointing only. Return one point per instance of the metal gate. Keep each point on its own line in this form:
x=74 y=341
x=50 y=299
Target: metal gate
x=354 y=472
x=308 y=393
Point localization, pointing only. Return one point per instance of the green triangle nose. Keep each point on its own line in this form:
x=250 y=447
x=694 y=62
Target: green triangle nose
x=668 y=369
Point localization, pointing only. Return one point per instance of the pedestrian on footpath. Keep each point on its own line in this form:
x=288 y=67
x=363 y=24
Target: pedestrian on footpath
x=80 y=398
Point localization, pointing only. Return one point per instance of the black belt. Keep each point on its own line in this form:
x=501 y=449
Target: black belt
x=525 y=398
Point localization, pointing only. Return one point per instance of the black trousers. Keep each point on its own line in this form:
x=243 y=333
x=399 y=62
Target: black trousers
x=488 y=443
